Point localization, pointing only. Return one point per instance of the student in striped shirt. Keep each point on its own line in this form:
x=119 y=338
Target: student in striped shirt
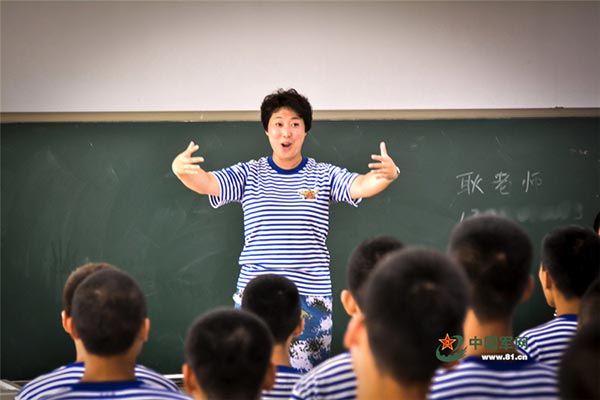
x=275 y=299
x=45 y=385
x=109 y=317
x=496 y=255
x=570 y=263
x=228 y=356
x=285 y=200
x=411 y=300
x=334 y=379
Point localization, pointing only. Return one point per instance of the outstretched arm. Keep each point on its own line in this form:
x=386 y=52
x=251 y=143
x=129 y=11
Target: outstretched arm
x=375 y=181
x=186 y=168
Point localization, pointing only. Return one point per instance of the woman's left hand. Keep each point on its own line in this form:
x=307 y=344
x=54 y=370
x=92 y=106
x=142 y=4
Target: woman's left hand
x=385 y=168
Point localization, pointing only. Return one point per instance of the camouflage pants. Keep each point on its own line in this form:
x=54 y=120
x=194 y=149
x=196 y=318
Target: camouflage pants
x=314 y=344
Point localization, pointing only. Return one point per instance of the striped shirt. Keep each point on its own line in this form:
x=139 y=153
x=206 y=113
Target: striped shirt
x=284 y=382
x=547 y=343
x=286 y=218
x=334 y=379
x=474 y=378
x=47 y=384
x=115 y=390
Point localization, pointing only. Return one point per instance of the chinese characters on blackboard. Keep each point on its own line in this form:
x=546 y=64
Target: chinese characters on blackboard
x=472 y=184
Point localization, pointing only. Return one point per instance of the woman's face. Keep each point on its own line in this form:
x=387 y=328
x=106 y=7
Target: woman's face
x=286 y=132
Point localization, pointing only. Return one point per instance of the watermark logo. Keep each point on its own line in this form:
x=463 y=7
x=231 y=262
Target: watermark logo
x=489 y=344
x=448 y=343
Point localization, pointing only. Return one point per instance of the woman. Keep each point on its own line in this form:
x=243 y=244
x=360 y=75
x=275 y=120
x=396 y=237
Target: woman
x=285 y=199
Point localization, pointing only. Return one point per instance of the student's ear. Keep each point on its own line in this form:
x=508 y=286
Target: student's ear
x=348 y=302
x=64 y=318
x=269 y=381
x=545 y=278
x=355 y=328
x=299 y=328
x=190 y=383
x=70 y=327
x=528 y=289
x=144 y=330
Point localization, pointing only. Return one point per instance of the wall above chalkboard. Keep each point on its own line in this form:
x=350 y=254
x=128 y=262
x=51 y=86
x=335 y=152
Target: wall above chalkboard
x=78 y=192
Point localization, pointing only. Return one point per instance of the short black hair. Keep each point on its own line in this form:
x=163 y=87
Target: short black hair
x=286 y=99
x=589 y=307
x=597 y=222
x=413 y=298
x=579 y=366
x=571 y=255
x=496 y=254
x=229 y=352
x=363 y=259
x=108 y=311
x=78 y=276
x=275 y=299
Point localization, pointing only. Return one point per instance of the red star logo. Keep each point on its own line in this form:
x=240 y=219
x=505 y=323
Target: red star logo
x=447 y=342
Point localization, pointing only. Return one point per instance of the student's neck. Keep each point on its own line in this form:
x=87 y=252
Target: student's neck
x=473 y=327
x=80 y=352
x=281 y=354
x=388 y=388
x=109 y=369
x=566 y=306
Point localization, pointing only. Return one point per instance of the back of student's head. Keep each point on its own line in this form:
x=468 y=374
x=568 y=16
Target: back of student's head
x=275 y=299
x=413 y=298
x=496 y=255
x=597 y=223
x=76 y=277
x=229 y=352
x=363 y=259
x=108 y=311
x=578 y=372
x=589 y=308
x=571 y=255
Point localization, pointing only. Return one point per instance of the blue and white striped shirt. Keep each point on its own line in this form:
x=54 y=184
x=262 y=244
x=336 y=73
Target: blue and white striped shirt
x=333 y=379
x=547 y=343
x=286 y=218
x=474 y=378
x=116 y=390
x=284 y=383
x=60 y=378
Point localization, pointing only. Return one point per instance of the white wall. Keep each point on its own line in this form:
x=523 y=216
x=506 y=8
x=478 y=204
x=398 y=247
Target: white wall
x=198 y=56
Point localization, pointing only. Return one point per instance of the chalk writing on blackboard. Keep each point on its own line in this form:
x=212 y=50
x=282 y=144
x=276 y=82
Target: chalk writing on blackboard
x=502 y=183
x=469 y=183
x=473 y=183
x=533 y=180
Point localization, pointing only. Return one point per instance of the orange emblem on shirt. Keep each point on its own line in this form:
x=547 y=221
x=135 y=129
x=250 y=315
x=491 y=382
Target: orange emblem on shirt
x=309 y=194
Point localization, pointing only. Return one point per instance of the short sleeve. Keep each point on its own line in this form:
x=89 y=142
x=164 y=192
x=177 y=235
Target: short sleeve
x=340 y=180
x=232 y=181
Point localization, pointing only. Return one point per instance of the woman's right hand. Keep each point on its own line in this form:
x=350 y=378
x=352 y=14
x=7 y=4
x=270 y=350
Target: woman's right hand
x=185 y=164
x=186 y=168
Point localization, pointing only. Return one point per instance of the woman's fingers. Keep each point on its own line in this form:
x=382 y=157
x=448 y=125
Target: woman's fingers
x=195 y=160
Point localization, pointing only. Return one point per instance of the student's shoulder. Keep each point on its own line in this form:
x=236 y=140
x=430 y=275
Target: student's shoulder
x=339 y=363
x=334 y=375
x=566 y=322
x=487 y=379
x=154 y=379
x=290 y=372
x=104 y=390
x=51 y=381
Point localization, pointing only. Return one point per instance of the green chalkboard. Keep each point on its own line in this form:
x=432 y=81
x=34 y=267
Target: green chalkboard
x=79 y=192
